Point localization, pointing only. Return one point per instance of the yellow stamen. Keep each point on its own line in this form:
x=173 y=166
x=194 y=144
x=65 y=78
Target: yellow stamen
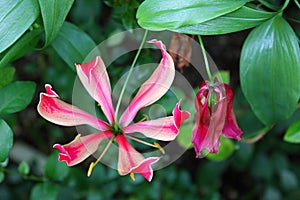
x=159 y=147
x=93 y=164
x=77 y=136
x=156 y=145
x=146 y=117
x=99 y=105
x=132 y=176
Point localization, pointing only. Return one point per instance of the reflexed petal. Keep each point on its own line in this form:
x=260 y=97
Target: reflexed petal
x=231 y=129
x=81 y=148
x=94 y=77
x=209 y=122
x=62 y=113
x=165 y=128
x=132 y=161
x=154 y=88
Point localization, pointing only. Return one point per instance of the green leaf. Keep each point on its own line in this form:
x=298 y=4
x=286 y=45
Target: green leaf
x=22 y=46
x=293 y=133
x=6 y=140
x=16 y=16
x=237 y=20
x=55 y=169
x=16 y=96
x=24 y=168
x=225 y=150
x=270 y=70
x=46 y=191
x=6 y=76
x=54 y=13
x=72 y=44
x=172 y=14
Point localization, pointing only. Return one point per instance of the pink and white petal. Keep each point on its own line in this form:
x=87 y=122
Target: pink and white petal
x=62 y=113
x=154 y=88
x=231 y=128
x=165 y=129
x=208 y=123
x=132 y=161
x=93 y=76
x=145 y=169
x=81 y=148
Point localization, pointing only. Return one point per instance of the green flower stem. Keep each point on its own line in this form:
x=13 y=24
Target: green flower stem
x=128 y=76
x=211 y=79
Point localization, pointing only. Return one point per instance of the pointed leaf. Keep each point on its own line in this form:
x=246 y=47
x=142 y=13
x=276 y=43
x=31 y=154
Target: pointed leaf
x=172 y=14
x=55 y=169
x=22 y=46
x=16 y=96
x=270 y=70
x=237 y=20
x=54 y=13
x=293 y=133
x=6 y=76
x=16 y=16
x=72 y=44
x=6 y=140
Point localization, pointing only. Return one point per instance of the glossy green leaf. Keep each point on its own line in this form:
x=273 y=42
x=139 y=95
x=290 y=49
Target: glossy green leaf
x=54 y=13
x=237 y=20
x=72 y=44
x=172 y=14
x=16 y=16
x=55 y=169
x=46 y=191
x=225 y=150
x=22 y=46
x=6 y=76
x=16 y=96
x=293 y=132
x=270 y=70
x=6 y=141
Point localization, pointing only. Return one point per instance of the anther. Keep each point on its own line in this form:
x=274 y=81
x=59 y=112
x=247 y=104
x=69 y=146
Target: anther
x=92 y=165
x=145 y=117
x=132 y=176
x=77 y=136
x=156 y=145
x=159 y=147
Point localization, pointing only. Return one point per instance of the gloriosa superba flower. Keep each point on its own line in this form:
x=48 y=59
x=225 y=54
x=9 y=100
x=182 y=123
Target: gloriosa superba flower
x=94 y=77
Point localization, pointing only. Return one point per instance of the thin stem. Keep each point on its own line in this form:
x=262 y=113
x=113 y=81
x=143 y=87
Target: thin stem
x=129 y=74
x=257 y=137
x=205 y=60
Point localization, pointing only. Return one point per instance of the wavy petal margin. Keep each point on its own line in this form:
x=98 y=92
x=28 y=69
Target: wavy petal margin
x=165 y=129
x=154 y=88
x=81 y=148
x=59 y=112
x=94 y=77
x=131 y=161
x=231 y=128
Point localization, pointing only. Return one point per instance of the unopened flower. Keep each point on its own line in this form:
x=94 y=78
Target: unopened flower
x=214 y=117
x=95 y=79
